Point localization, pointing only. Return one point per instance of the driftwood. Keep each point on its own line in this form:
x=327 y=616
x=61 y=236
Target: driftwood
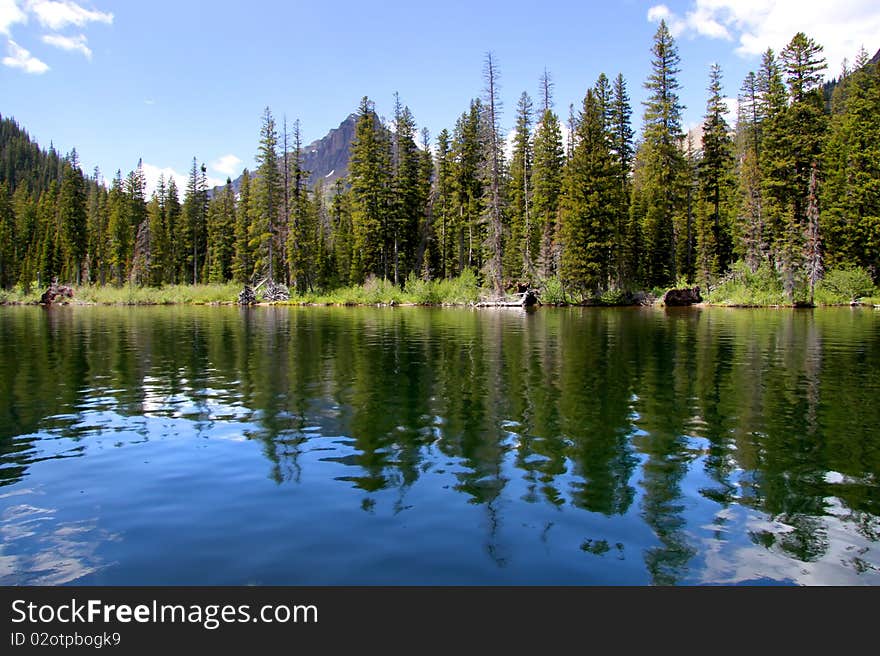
x=684 y=296
x=247 y=296
x=276 y=291
x=524 y=299
x=56 y=293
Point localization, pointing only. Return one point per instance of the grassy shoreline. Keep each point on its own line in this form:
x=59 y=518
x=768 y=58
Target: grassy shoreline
x=349 y=297
x=741 y=288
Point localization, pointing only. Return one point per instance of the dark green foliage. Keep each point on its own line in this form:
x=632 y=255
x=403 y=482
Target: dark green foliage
x=716 y=183
x=221 y=235
x=591 y=194
x=342 y=240
x=370 y=179
x=793 y=192
x=549 y=158
x=407 y=192
x=467 y=154
x=242 y=263
x=848 y=284
x=492 y=173
x=8 y=259
x=659 y=177
x=72 y=216
x=301 y=230
x=266 y=201
x=519 y=255
x=850 y=217
x=444 y=216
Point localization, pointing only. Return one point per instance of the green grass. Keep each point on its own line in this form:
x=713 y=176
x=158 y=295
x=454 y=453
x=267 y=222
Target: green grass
x=740 y=287
x=763 y=287
x=132 y=295
x=463 y=290
x=743 y=287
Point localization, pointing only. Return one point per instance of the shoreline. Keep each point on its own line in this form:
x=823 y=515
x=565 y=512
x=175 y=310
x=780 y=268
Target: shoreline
x=391 y=304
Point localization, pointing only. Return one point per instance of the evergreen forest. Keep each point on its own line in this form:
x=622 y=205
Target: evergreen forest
x=786 y=194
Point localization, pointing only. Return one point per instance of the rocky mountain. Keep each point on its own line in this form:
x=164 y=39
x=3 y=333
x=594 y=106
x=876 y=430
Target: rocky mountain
x=326 y=158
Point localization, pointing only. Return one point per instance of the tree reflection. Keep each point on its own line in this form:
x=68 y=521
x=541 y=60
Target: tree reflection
x=611 y=413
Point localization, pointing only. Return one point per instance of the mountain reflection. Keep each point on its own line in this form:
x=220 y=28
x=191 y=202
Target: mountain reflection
x=687 y=421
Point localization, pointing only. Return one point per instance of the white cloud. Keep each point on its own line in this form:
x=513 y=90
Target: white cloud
x=658 y=13
x=9 y=15
x=56 y=14
x=152 y=173
x=842 y=28
x=699 y=20
x=227 y=165
x=78 y=43
x=23 y=59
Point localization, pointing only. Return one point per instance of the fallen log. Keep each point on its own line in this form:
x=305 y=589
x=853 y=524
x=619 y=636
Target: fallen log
x=526 y=299
x=56 y=293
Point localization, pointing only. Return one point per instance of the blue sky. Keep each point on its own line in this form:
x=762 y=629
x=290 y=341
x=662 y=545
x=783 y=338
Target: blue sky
x=166 y=81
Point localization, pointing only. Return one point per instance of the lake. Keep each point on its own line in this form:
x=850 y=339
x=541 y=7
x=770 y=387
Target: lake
x=299 y=446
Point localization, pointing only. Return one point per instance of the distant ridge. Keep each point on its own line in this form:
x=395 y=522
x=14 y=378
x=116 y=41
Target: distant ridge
x=326 y=159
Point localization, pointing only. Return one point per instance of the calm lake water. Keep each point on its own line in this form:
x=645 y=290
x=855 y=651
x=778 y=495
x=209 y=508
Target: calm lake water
x=219 y=445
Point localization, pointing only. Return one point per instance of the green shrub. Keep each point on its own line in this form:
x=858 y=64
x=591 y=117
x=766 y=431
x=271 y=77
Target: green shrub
x=742 y=286
x=552 y=292
x=614 y=297
x=845 y=285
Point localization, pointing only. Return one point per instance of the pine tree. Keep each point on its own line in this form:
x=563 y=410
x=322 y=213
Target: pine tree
x=8 y=272
x=626 y=264
x=519 y=257
x=136 y=194
x=221 y=235
x=444 y=218
x=340 y=219
x=195 y=210
x=749 y=242
x=807 y=123
x=467 y=153
x=50 y=255
x=850 y=194
x=370 y=177
x=300 y=246
x=813 y=253
x=686 y=243
x=407 y=206
x=663 y=161
x=427 y=258
x=25 y=212
x=588 y=214
x=267 y=198
x=242 y=265
x=549 y=158
x=177 y=235
x=119 y=229
x=98 y=247
x=715 y=176
x=73 y=216
x=775 y=162
x=493 y=177
x=158 y=235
